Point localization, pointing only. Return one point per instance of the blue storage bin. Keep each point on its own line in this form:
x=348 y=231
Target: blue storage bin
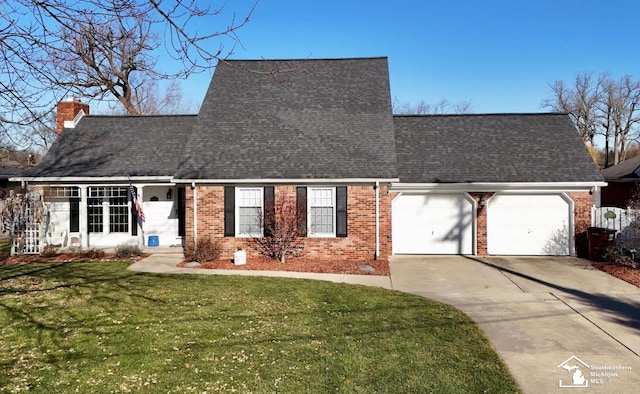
x=154 y=240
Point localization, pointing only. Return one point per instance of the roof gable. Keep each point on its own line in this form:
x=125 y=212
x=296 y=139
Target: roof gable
x=325 y=118
x=628 y=169
x=500 y=148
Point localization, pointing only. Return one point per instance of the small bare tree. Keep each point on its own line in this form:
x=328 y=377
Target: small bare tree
x=281 y=237
x=443 y=106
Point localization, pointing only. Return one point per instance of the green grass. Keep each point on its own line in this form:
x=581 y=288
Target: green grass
x=5 y=246
x=96 y=327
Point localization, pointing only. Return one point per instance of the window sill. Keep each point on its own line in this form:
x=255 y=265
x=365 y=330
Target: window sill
x=248 y=236
x=321 y=236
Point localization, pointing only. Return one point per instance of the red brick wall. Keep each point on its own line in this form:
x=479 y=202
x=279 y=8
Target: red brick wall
x=386 y=200
x=582 y=220
x=481 y=221
x=359 y=244
x=581 y=210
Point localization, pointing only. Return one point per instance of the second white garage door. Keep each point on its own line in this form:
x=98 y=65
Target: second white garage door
x=432 y=224
x=528 y=224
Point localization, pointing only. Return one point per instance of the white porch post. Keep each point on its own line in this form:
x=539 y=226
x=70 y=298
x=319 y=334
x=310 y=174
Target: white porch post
x=140 y=194
x=84 y=229
x=106 y=218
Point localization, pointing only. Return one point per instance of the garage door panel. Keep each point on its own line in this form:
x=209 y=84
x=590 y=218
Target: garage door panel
x=432 y=224
x=528 y=225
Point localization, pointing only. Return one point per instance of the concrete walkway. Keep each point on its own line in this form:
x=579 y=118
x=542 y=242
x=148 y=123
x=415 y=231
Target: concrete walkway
x=537 y=312
x=166 y=263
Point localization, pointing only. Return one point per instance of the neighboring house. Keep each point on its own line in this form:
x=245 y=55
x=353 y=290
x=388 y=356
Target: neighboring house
x=6 y=185
x=322 y=133
x=622 y=183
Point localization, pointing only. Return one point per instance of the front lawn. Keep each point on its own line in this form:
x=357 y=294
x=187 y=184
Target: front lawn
x=5 y=246
x=96 y=327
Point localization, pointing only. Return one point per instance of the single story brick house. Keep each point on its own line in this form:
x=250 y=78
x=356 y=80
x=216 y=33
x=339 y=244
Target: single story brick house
x=622 y=183
x=321 y=132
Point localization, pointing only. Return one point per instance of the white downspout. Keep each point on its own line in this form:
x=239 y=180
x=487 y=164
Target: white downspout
x=377 y=188
x=195 y=212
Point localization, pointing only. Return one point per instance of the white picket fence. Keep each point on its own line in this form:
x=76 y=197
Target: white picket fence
x=619 y=219
x=613 y=218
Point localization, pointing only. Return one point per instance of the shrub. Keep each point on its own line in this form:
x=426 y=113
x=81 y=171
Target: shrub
x=620 y=256
x=49 y=251
x=75 y=250
x=126 y=251
x=205 y=249
x=92 y=254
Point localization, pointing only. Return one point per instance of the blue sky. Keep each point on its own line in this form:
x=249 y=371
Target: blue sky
x=499 y=55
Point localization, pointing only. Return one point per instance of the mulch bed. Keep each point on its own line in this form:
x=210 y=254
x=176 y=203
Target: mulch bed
x=372 y=267
x=61 y=257
x=627 y=274
x=380 y=267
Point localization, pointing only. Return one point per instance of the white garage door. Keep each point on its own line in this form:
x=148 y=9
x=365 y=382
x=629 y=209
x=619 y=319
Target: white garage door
x=528 y=225
x=432 y=224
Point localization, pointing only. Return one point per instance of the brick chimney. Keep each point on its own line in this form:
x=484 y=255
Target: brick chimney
x=67 y=111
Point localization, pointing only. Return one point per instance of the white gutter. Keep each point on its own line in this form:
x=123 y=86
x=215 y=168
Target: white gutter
x=195 y=212
x=297 y=181
x=494 y=186
x=377 y=189
x=124 y=179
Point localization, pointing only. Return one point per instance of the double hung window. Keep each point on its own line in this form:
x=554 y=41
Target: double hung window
x=249 y=211
x=322 y=211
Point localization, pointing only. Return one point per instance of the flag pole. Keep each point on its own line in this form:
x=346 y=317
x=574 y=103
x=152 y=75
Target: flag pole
x=138 y=208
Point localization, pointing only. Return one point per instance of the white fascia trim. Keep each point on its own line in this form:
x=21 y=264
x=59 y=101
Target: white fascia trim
x=78 y=179
x=297 y=181
x=493 y=186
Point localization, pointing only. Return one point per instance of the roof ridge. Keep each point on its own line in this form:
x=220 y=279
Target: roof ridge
x=140 y=116
x=479 y=114
x=307 y=59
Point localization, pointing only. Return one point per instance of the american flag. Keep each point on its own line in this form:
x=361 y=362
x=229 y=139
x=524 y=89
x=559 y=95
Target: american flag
x=134 y=198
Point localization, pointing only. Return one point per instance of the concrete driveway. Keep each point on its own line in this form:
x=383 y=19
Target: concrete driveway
x=541 y=314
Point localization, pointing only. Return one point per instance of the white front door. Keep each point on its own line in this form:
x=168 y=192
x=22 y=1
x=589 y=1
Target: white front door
x=432 y=224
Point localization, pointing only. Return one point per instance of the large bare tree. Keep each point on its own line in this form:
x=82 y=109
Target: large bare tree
x=106 y=49
x=580 y=101
x=151 y=97
x=601 y=106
